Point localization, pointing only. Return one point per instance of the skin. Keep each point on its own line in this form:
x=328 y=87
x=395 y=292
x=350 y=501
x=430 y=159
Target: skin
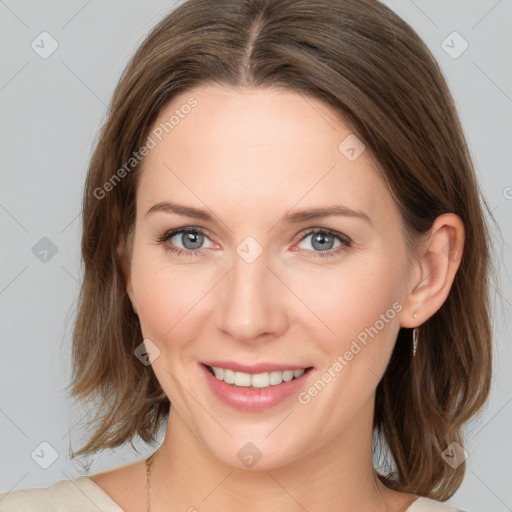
x=249 y=156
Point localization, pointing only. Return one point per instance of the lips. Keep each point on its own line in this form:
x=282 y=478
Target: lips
x=248 y=398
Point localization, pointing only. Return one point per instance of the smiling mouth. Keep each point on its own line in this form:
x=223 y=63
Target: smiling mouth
x=256 y=380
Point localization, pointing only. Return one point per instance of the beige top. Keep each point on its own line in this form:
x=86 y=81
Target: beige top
x=82 y=495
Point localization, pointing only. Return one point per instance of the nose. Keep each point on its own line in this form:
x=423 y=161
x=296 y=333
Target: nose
x=251 y=302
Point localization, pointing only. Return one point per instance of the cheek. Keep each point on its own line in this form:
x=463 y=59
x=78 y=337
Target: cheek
x=168 y=296
x=354 y=296
x=360 y=305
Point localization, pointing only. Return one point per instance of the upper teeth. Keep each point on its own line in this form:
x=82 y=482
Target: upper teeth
x=257 y=380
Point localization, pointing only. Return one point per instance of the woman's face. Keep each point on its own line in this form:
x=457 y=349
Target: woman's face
x=255 y=283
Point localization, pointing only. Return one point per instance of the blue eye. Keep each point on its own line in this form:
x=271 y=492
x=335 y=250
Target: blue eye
x=323 y=240
x=192 y=240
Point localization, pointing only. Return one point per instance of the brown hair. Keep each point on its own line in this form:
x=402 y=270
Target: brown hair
x=369 y=66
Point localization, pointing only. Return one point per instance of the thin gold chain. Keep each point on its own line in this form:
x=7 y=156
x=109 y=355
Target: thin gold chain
x=149 y=462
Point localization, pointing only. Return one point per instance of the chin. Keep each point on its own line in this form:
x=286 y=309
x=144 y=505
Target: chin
x=253 y=453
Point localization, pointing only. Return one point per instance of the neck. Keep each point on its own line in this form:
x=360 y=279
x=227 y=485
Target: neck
x=338 y=476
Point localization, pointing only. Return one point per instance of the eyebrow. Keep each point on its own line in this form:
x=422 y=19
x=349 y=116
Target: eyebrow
x=290 y=218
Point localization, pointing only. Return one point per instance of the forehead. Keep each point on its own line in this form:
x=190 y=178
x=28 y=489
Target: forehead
x=246 y=149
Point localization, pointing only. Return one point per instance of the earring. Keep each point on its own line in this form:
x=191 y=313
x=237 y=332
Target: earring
x=414 y=341
x=414 y=338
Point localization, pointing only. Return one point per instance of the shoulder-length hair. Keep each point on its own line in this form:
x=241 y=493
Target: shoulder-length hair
x=369 y=66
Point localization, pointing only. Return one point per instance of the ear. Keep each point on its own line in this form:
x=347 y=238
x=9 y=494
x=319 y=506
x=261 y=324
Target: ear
x=438 y=258
x=126 y=269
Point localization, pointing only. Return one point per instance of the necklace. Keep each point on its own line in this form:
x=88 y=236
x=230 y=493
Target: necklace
x=149 y=463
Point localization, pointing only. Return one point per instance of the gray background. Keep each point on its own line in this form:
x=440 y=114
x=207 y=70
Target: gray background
x=51 y=110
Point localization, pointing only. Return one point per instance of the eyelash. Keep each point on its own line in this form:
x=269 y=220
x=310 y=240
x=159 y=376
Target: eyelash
x=345 y=241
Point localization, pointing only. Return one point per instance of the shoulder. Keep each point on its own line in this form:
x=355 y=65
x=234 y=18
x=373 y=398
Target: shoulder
x=428 y=505
x=80 y=495
x=26 y=499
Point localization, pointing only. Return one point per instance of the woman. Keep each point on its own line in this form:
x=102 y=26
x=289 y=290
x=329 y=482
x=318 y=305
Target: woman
x=282 y=236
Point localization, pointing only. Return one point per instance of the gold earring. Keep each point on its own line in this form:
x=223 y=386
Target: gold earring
x=414 y=338
x=414 y=341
